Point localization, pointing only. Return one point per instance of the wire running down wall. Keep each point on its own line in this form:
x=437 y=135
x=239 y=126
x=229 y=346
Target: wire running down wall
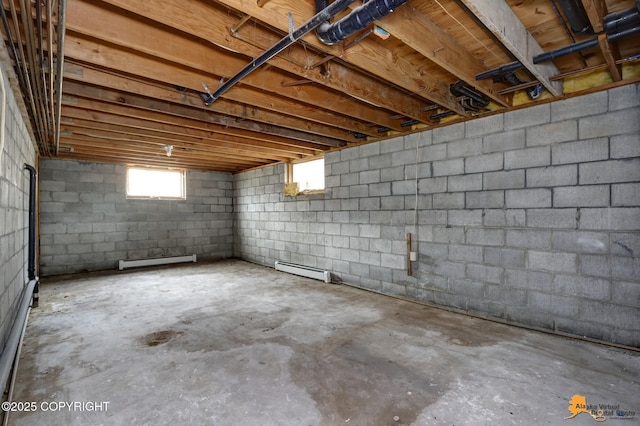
x=530 y=216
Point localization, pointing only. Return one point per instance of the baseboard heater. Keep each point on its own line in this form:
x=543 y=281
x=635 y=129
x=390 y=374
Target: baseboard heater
x=304 y=271
x=157 y=261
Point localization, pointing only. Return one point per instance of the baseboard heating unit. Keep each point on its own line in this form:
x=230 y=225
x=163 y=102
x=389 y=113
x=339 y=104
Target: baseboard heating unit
x=157 y=261
x=304 y=271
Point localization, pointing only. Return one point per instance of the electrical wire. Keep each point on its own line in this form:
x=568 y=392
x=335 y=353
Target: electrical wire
x=415 y=212
x=468 y=31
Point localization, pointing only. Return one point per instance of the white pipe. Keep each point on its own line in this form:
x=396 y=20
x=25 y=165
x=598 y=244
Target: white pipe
x=10 y=349
x=15 y=368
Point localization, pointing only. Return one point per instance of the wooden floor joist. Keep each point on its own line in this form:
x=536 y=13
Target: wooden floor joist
x=143 y=72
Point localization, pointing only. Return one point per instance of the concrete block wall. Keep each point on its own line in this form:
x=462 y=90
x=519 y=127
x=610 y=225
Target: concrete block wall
x=530 y=216
x=17 y=150
x=88 y=224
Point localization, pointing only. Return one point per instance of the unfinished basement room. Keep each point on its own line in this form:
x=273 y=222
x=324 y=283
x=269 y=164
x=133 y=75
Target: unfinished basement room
x=320 y=212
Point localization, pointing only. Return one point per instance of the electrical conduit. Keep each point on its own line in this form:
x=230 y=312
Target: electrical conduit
x=321 y=16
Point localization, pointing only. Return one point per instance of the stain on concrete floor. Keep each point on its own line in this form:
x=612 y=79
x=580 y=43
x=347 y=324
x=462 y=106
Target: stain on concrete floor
x=159 y=337
x=239 y=344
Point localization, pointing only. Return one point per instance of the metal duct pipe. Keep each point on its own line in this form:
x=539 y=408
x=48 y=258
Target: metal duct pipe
x=313 y=23
x=357 y=20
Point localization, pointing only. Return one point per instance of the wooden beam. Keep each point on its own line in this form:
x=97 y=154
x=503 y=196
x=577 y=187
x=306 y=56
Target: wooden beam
x=238 y=120
x=123 y=146
x=212 y=24
x=123 y=140
x=498 y=17
x=420 y=33
x=307 y=117
x=109 y=156
x=91 y=144
x=367 y=55
x=74 y=115
x=142 y=36
x=116 y=98
x=156 y=131
x=313 y=133
x=596 y=10
x=210 y=147
x=611 y=55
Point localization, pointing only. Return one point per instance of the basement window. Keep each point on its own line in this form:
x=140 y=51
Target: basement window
x=309 y=175
x=155 y=183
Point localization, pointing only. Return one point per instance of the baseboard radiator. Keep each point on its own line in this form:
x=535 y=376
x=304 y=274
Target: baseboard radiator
x=123 y=264
x=304 y=271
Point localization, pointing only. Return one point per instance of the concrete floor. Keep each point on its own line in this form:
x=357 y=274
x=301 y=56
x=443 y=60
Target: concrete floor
x=232 y=343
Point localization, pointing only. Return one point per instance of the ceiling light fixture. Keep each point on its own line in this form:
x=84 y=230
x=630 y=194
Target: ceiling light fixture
x=168 y=148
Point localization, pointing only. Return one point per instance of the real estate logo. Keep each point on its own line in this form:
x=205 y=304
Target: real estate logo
x=599 y=412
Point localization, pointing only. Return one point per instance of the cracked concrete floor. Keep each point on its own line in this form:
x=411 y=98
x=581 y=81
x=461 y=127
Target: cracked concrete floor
x=239 y=344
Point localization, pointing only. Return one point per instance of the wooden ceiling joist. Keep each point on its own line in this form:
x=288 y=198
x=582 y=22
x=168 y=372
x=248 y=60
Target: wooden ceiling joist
x=106 y=95
x=212 y=145
x=238 y=120
x=596 y=10
x=76 y=115
x=419 y=32
x=109 y=155
x=94 y=110
x=83 y=128
x=134 y=73
x=498 y=17
x=125 y=31
x=213 y=25
x=302 y=116
x=147 y=145
x=365 y=55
